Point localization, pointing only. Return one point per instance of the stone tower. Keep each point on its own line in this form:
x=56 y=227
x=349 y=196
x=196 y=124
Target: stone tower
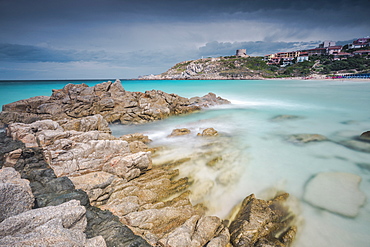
x=241 y=53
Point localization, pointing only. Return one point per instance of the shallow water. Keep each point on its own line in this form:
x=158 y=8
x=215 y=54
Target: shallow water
x=252 y=154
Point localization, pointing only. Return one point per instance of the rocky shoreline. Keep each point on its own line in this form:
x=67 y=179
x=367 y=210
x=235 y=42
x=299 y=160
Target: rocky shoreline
x=62 y=145
x=108 y=99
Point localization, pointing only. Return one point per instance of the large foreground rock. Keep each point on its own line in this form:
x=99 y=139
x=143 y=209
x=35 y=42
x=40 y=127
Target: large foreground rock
x=15 y=193
x=76 y=153
x=61 y=225
x=108 y=99
x=50 y=190
x=263 y=223
x=337 y=192
x=153 y=201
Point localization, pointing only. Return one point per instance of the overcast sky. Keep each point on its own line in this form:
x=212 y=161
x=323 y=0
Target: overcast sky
x=108 y=39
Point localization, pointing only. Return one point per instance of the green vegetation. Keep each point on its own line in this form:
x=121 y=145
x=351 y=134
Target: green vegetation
x=244 y=67
x=355 y=63
x=298 y=69
x=326 y=65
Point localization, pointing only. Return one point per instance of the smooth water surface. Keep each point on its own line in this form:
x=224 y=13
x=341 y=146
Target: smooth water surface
x=252 y=154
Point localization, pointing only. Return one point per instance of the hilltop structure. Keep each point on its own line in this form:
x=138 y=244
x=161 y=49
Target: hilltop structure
x=241 y=53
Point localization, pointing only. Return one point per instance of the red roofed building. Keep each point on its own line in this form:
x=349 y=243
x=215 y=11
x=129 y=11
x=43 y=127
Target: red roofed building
x=333 y=50
x=342 y=55
x=359 y=43
x=317 y=51
x=362 y=52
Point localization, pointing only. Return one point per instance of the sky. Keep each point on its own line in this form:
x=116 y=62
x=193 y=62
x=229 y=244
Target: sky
x=109 y=39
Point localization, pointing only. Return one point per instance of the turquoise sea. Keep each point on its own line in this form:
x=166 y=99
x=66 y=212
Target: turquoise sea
x=254 y=154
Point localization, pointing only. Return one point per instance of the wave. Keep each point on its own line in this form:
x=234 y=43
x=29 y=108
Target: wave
x=265 y=103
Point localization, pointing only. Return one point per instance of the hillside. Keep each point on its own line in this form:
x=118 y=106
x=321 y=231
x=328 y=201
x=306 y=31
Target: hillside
x=219 y=68
x=232 y=67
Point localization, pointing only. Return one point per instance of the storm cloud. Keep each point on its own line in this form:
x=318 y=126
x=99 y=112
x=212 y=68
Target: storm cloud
x=125 y=39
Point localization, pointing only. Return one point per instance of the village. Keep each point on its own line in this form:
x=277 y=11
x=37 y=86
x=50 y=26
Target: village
x=359 y=47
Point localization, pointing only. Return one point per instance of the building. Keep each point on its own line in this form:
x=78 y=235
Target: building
x=317 y=51
x=333 y=50
x=303 y=56
x=362 y=52
x=282 y=58
x=359 y=43
x=342 y=55
x=241 y=53
x=285 y=61
x=327 y=44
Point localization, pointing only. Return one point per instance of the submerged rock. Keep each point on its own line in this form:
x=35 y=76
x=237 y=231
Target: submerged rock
x=208 y=132
x=365 y=136
x=305 y=138
x=361 y=146
x=279 y=118
x=337 y=192
x=179 y=132
x=263 y=223
x=364 y=166
x=209 y=99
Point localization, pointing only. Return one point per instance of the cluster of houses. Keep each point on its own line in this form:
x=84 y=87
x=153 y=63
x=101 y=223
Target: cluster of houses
x=326 y=48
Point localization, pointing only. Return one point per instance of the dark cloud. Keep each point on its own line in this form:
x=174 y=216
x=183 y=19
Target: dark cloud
x=144 y=35
x=259 y=48
x=29 y=53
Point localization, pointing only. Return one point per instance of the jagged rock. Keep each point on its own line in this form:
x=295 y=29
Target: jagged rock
x=152 y=201
x=107 y=99
x=137 y=142
x=12 y=157
x=262 y=223
x=138 y=146
x=198 y=231
x=26 y=132
x=49 y=190
x=365 y=136
x=61 y=225
x=208 y=132
x=305 y=138
x=96 y=122
x=114 y=180
x=75 y=153
x=15 y=193
x=209 y=99
x=279 y=118
x=179 y=132
x=337 y=192
x=136 y=137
